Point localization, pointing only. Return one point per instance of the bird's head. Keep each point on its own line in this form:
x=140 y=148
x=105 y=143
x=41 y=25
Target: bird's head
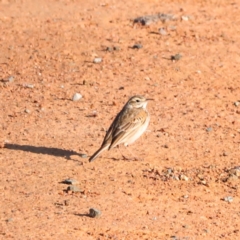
x=138 y=101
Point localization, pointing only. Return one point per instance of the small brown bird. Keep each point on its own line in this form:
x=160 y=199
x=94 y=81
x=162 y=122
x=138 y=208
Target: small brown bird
x=130 y=123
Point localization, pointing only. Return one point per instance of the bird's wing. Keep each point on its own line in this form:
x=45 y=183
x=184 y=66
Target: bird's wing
x=127 y=126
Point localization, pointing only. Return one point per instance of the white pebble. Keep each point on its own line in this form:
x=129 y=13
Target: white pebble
x=183 y=177
x=185 y=18
x=11 y=79
x=162 y=31
x=76 y=97
x=29 y=85
x=97 y=60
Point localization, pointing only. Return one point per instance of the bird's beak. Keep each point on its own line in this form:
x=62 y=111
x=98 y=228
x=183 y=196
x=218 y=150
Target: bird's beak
x=150 y=99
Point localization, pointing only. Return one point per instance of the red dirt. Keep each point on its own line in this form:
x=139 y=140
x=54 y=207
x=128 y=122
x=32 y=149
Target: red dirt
x=192 y=141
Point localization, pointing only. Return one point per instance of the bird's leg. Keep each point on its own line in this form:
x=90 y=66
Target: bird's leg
x=134 y=157
x=124 y=157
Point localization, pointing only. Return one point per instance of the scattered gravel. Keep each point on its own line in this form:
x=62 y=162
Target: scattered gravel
x=235 y=171
x=175 y=178
x=76 y=97
x=111 y=49
x=183 y=177
x=94 y=213
x=149 y=19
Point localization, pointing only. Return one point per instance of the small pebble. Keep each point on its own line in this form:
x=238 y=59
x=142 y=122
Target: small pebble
x=116 y=48
x=176 y=57
x=27 y=111
x=225 y=154
x=175 y=178
x=162 y=31
x=172 y=28
x=109 y=49
x=84 y=155
x=204 y=182
x=232 y=178
x=76 y=97
x=183 y=177
x=11 y=79
x=237 y=103
x=185 y=18
x=29 y=85
x=121 y=88
x=74 y=188
x=228 y=199
x=97 y=60
x=137 y=46
x=209 y=129
x=94 y=213
x=235 y=171
x=70 y=181
x=9 y=220
x=94 y=113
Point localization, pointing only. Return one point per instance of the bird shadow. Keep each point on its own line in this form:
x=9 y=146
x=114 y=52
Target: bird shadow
x=57 y=152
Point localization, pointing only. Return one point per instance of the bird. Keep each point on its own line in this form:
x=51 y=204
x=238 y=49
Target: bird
x=129 y=124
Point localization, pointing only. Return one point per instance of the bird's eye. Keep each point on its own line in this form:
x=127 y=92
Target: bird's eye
x=137 y=100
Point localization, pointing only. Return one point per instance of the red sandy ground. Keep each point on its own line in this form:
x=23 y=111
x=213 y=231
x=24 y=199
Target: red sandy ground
x=194 y=129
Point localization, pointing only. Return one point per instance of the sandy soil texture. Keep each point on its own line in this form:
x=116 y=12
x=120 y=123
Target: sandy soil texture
x=184 y=54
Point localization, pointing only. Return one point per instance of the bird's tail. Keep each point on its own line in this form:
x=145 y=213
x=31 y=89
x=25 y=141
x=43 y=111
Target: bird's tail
x=98 y=152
